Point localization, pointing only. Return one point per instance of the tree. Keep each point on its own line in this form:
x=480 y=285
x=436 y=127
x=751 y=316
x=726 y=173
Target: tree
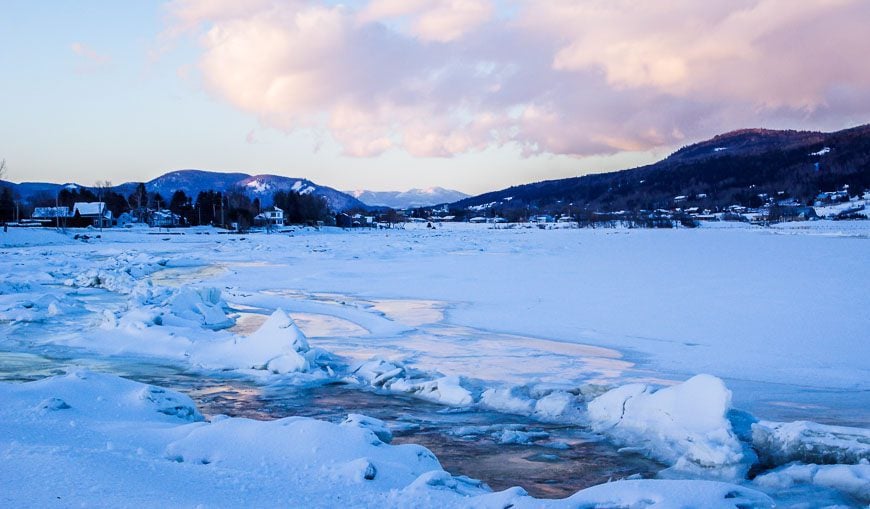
x=103 y=187
x=7 y=204
x=2 y=169
x=156 y=201
x=181 y=205
x=138 y=201
x=302 y=208
x=208 y=204
x=68 y=196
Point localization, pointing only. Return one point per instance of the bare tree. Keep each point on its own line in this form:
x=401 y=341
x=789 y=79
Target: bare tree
x=2 y=169
x=102 y=187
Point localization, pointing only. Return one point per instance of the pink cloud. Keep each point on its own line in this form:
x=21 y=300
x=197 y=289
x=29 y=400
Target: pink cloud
x=91 y=57
x=443 y=77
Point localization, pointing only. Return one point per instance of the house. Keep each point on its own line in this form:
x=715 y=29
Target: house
x=480 y=219
x=163 y=219
x=92 y=213
x=273 y=216
x=125 y=219
x=361 y=220
x=343 y=220
x=544 y=218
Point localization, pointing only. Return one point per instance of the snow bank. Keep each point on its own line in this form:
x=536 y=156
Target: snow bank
x=98 y=397
x=119 y=272
x=21 y=237
x=338 y=455
x=684 y=425
x=95 y=439
x=184 y=307
x=376 y=426
x=778 y=443
x=14 y=308
x=670 y=494
x=853 y=480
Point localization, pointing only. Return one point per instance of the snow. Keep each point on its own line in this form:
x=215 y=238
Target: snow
x=684 y=425
x=90 y=208
x=259 y=186
x=853 y=480
x=821 y=152
x=783 y=442
x=96 y=439
x=600 y=328
x=277 y=346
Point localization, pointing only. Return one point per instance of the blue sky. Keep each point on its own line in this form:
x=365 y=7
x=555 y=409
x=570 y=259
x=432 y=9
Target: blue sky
x=383 y=94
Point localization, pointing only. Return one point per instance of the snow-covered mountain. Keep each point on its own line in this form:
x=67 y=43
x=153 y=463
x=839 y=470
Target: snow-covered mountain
x=408 y=199
x=194 y=181
x=258 y=186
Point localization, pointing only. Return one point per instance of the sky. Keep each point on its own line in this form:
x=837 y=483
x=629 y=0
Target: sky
x=473 y=95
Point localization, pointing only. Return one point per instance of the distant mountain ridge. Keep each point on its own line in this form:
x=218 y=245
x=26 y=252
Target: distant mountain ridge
x=411 y=198
x=192 y=182
x=737 y=167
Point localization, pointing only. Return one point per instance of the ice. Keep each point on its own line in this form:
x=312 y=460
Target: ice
x=779 y=443
x=277 y=346
x=557 y=405
x=200 y=304
x=508 y=399
x=853 y=480
x=684 y=425
x=377 y=426
x=394 y=376
x=670 y=494
x=99 y=439
x=668 y=314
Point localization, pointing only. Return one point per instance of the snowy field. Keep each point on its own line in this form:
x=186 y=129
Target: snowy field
x=735 y=357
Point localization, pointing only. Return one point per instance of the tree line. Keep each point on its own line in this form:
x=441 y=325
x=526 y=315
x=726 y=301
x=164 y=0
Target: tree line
x=209 y=207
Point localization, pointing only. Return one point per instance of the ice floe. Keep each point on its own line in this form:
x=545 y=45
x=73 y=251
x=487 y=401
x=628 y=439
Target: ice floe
x=685 y=425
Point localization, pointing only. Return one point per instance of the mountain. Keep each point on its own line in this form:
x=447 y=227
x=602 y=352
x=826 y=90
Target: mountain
x=739 y=167
x=411 y=198
x=194 y=181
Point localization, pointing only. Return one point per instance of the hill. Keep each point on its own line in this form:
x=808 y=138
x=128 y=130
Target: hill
x=194 y=181
x=739 y=167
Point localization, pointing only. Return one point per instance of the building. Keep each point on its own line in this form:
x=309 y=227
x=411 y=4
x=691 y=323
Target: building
x=163 y=219
x=50 y=212
x=273 y=216
x=92 y=213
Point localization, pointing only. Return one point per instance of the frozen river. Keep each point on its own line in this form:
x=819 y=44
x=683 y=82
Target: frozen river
x=462 y=339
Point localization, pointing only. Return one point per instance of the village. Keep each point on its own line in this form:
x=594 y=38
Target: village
x=686 y=211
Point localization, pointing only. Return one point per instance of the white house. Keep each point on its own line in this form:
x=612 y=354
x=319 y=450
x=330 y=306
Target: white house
x=273 y=216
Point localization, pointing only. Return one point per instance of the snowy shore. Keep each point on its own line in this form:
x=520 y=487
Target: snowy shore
x=618 y=323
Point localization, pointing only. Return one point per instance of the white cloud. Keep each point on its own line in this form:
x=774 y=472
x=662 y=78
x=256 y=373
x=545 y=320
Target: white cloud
x=442 y=77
